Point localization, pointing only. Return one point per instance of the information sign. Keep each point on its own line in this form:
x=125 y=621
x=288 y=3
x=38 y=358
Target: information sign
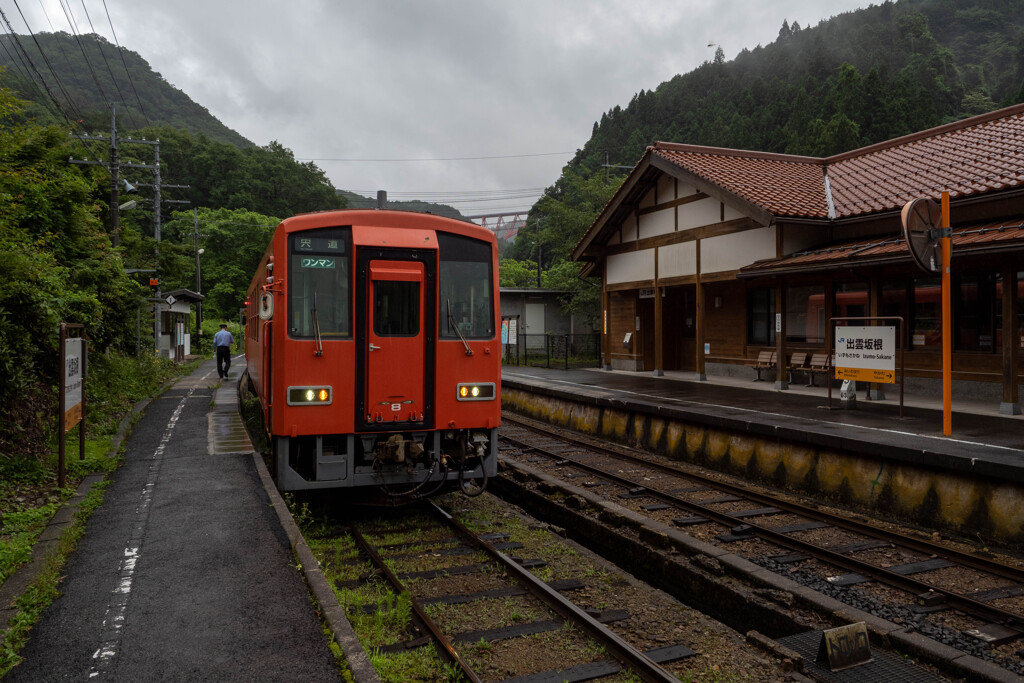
x=866 y=354
x=74 y=374
x=513 y=331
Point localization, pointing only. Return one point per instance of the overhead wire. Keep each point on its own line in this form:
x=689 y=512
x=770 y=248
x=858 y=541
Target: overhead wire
x=106 y=62
x=35 y=70
x=74 y=30
x=128 y=73
x=41 y=79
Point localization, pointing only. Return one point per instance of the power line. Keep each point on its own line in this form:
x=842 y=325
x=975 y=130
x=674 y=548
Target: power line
x=500 y=156
x=78 y=40
x=103 y=54
x=120 y=51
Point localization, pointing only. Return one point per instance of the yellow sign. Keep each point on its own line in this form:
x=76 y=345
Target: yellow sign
x=867 y=375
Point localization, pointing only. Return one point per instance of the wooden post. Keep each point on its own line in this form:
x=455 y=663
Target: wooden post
x=947 y=322
x=701 y=370
x=875 y=390
x=659 y=350
x=1011 y=342
x=781 y=381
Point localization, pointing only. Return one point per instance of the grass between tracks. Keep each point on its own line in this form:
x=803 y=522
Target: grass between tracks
x=29 y=491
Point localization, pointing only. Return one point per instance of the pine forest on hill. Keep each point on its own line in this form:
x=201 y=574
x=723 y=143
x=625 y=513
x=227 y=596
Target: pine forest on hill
x=858 y=78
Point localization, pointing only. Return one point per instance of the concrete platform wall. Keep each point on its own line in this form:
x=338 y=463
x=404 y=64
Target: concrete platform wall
x=966 y=504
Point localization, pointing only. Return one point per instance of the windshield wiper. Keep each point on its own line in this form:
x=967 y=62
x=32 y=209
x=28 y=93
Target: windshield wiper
x=453 y=324
x=316 y=329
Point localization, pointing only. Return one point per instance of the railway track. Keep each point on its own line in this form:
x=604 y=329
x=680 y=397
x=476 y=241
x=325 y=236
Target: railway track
x=474 y=568
x=932 y=587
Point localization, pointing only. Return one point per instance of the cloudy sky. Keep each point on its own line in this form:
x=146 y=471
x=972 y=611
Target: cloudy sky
x=442 y=100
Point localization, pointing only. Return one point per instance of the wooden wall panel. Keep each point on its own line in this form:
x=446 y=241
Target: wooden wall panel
x=726 y=326
x=622 y=320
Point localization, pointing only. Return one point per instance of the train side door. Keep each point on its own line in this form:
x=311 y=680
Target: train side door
x=395 y=345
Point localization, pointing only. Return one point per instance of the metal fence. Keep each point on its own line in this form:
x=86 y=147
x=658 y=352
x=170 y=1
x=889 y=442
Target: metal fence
x=554 y=351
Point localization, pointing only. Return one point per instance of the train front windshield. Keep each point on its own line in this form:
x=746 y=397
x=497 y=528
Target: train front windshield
x=466 y=287
x=319 y=282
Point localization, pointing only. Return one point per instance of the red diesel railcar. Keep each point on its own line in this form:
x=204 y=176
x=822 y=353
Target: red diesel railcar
x=371 y=341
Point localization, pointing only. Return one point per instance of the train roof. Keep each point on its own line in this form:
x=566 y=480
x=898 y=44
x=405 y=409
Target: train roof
x=385 y=218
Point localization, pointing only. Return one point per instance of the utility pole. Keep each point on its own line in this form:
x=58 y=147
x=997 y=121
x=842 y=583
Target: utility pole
x=198 y=251
x=114 y=167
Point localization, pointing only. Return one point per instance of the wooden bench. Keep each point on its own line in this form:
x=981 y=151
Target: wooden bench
x=820 y=364
x=797 y=363
x=765 y=361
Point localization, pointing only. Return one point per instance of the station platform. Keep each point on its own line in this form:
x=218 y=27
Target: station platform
x=868 y=456
x=186 y=571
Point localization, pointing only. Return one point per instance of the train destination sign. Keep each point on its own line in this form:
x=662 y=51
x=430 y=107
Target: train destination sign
x=866 y=354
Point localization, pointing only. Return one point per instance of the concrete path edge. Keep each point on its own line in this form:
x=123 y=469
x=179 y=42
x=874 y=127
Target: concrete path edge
x=332 y=612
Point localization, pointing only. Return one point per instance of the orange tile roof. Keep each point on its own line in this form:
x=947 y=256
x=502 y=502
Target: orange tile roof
x=1002 y=236
x=969 y=157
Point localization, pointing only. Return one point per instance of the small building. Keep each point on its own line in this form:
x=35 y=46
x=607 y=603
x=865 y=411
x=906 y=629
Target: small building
x=175 y=325
x=539 y=311
x=709 y=256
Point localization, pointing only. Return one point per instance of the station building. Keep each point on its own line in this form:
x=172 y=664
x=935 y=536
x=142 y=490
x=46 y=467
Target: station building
x=710 y=256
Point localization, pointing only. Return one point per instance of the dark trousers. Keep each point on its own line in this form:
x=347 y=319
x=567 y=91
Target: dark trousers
x=223 y=357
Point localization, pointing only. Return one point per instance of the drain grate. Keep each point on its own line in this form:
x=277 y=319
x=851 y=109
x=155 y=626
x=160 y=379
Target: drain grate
x=885 y=668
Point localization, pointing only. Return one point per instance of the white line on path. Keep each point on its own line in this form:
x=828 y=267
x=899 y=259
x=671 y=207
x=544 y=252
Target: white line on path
x=114 y=618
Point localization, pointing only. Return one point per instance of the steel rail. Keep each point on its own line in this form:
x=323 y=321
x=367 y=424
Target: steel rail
x=971 y=560
x=619 y=648
x=913 y=586
x=441 y=642
x=968 y=559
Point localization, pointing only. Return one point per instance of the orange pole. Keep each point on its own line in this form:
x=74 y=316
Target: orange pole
x=947 y=324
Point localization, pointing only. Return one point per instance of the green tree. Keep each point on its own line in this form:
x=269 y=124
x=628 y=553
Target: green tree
x=234 y=241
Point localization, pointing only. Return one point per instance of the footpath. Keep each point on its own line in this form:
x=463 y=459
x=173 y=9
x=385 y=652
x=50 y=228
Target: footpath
x=186 y=571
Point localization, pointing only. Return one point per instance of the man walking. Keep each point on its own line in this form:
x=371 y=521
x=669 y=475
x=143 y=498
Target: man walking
x=222 y=341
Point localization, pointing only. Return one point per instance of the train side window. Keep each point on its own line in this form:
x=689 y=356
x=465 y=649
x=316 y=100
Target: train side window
x=319 y=277
x=466 y=283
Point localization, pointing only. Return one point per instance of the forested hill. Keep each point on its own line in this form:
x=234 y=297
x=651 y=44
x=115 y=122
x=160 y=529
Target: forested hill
x=357 y=201
x=80 y=62
x=853 y=80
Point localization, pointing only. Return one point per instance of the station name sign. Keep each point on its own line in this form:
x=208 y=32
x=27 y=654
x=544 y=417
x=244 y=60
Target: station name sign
x=866 y=354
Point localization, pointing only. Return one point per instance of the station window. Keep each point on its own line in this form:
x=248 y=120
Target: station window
x=851 y=300
x=466 y=283
x=975 y=299
x=319 y=282
x=761 y=316
x=805 y=314
x=926 y=323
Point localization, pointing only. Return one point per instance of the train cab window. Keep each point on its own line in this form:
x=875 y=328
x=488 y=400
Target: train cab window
x=466 y=284
x=396 y=308
x=319 y=282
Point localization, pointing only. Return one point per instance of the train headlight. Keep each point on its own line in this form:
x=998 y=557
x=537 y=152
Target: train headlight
x=309 y=396
x=475 y=391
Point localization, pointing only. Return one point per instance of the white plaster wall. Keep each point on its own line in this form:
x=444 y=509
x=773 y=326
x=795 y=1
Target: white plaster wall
x=730 y=252
x=732 y=214
x=657 y=223
x=631 y=266
x=699 y=213
x=666 y=188
x=629 y=229
x=677 y=259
